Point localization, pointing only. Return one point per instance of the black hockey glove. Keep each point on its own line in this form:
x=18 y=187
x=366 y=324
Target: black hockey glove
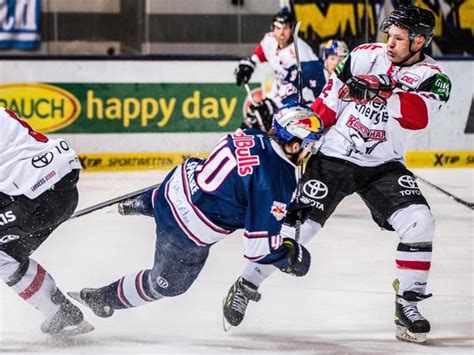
x=299 y=258
x=362 y=89
x=297 y=211
x=265 y=109
x=244 y=71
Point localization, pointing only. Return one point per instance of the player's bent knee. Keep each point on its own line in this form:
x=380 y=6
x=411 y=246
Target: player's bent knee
x=170 y=287
x=10 y=268
x=414 y=224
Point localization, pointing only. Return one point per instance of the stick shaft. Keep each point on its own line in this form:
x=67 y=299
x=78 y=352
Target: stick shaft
x=447 y=193
x=110 y=202
x=252 y=101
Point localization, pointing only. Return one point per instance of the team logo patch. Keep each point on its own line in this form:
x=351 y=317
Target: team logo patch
x=409 y=79
x=407 y=182
x=8 y=238
x=162 y=282
x=278 y=210
x=315 y=189
x=40 y=161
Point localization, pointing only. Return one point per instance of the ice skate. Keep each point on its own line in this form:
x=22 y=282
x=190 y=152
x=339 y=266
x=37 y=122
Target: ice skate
x=235 y=304
x=67 y=321
x=93 y=299
x=411 y=325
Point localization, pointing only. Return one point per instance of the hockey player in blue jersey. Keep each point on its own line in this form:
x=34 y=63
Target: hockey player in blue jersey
x=315 y=75
x=247 y=183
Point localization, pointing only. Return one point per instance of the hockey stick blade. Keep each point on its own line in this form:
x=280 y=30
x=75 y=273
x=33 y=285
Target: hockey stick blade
x=112 y=201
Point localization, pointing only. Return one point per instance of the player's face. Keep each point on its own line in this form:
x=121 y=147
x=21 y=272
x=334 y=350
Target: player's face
x=331 y=62
x=282 y=33
x=398 y=46
x=304 y=154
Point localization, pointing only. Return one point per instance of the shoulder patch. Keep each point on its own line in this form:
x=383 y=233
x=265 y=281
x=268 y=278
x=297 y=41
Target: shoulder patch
x=441 y=86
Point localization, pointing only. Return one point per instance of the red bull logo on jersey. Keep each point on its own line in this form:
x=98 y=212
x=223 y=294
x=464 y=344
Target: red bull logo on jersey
x=278 y=210
x=245 y=160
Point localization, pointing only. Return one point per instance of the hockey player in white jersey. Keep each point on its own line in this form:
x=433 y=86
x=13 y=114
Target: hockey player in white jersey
x=38 y=177
x=378 y=96
x=278 y=50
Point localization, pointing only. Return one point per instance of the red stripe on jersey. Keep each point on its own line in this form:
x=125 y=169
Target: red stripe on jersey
x=248 y=234
x=413 y=110
x=260 y=54
x=140 y=289
x=121 y=294
x=323 y=111
x=413 y=265
x=35 y=284
x=254 y=258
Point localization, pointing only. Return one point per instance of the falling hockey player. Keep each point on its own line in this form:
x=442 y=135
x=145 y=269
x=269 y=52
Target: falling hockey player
x=38 y=177
x=377 y=97
x=246 y=183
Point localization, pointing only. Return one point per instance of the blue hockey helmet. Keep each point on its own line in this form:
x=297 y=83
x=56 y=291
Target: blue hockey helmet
x=334 y=47
x=296 y=120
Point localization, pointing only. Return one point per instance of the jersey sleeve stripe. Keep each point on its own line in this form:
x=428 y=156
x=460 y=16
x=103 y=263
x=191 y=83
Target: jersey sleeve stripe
x=325 y=113
x=414 y=113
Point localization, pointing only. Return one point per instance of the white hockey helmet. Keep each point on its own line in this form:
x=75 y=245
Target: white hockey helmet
x=296 y=120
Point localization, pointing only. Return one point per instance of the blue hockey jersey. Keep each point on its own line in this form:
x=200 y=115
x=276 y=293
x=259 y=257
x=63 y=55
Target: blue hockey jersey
x=246 y=183
x=314 y=79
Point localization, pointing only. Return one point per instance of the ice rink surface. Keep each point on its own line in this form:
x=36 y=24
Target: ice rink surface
x=344 y=305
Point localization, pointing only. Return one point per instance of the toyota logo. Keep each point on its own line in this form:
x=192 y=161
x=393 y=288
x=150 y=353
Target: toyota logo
x=40 y=161
x=407 y=182
x=315 y=189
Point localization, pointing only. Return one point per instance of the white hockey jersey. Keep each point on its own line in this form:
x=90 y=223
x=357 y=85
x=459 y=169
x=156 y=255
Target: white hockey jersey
x=373 y=134
x=280 y=60
x=30 y=162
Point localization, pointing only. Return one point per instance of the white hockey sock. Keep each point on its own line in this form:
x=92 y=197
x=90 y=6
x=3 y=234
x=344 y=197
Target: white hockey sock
x=257 y=273
x=133 y=290
x=31 y=282
x=415 y=226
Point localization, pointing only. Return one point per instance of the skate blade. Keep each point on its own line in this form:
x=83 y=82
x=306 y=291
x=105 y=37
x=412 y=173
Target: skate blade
x=77 y=297
x=403 y=334
x=81 y=328
x=225 y=324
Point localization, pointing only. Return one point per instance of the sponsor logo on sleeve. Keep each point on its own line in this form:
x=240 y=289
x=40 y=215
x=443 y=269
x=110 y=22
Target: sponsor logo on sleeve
x=278 y=210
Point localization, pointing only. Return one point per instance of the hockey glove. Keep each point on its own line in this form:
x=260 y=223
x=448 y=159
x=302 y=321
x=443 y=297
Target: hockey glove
x=362 y=89
x=297 y=211
x=265 y=109
x=298 y=257
x=244 y=71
